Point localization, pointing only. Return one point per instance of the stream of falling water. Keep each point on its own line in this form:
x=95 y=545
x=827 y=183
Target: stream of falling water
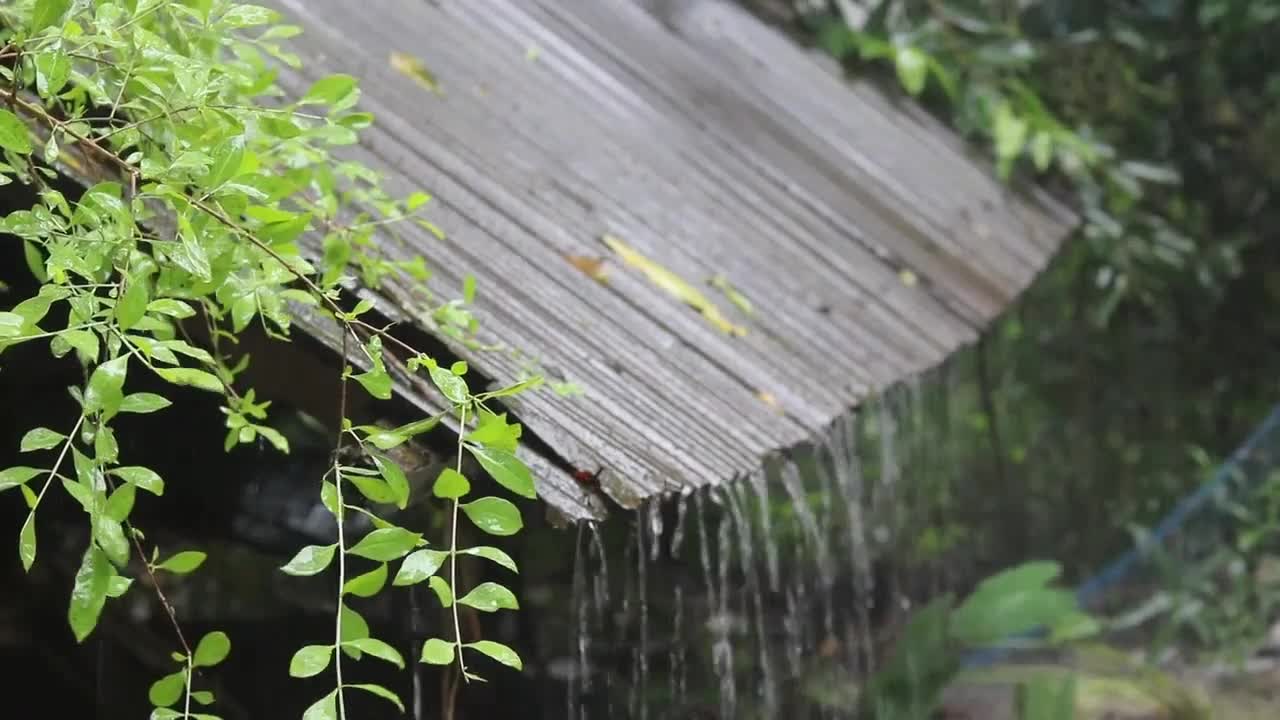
x=756 y=599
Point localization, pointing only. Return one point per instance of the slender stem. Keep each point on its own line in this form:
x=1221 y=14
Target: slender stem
x=186 y=705
x=342 y=549
x=453 y=553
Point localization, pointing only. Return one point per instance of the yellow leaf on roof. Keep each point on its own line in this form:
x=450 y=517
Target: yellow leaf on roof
x=411 y=66
x=673 y=284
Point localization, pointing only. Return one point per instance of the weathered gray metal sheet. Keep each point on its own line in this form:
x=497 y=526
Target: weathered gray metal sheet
x=712 y=145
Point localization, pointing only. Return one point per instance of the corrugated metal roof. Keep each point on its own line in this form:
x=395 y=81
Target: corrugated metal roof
x=711 y=144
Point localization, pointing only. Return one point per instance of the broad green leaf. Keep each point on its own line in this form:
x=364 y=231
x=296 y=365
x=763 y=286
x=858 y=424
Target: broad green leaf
x=104 y=393
x=451 y=386
x=418 y=566
x=368 y=584
x=451 y=485
x=386 y=544
x=83 y=341
x=183 y=562
x=376 y=382
x=89 y=593
x=110 y=537
x=437 y=652
x=35 y=261
x=173 y=308
x=332 y=90
x=493 y=431
x=11 y=325
x=913 y=69
x=204 y=697
x=396 y=481
x=354 y=627
x=310 y=560
x=329 y=497
x=493 y=554
x=497 y=651
x=227 y=157
x=310 y=661
x=1014 y=601
x=442 y=590
x=494 y=516
x=168 y=689
x=326 y=708
x=191 y=377
x=13 y=134
x=48 y=13
x=14 y=476
x=507 y=469
x=144 y=478
x=380 y=692
x=490 y=597
x=105 y=448
x=132 y=306
x=40 y=439
x=120 y=503
x=118 y=586
x=373 y=488
x=212 y=649
x=27 y=541
x=378 y=649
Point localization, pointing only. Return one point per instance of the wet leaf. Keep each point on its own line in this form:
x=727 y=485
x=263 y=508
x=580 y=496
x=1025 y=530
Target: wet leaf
x=412 y=67
x=191 y=377
x=89 y=594
x=419 y=566
x=673 y=284
x=490 y=597
x=493 y=554
x=40 y=439
x=310 y=661
x=144 y=478
x=506 y=468
x=326 y=708
x=451 y=485
x=442 y=590
x=494 y=515
x=386 y=544
x=378 y=649
x=27 y=541
x=499 y=652
x=183 y=562
x=15 y=476
x=381 y=692
x=437 y=652
x=368 y=584
x=143 y=403
x=13 y=134
x=310 y=560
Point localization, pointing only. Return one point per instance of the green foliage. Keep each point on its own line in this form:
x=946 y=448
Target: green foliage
x=1003 y=611
x=219 y=203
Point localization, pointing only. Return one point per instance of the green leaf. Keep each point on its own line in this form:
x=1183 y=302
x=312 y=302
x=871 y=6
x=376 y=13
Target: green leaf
x=451 y=386
x=419 y=566
x=83 y=341
x=493 y=554
x=373 y=488
x=310 y=560
x=354 y=627
x=396 y=481
x=35 y=261
x=913 y=69
x=441 y=588
x=451 y=485
x=168 y=689
x=120 y=504
x=48 y=13
x=1009 y=131
x=326 y=708
x=497 y=651
x=227 y=157
x=494 y=432
x=118 y=586
x=437 y=652
x=1041 y=147
x=380 y=692
x=173 y=308
x=40 y=439
x=13 y=134
x=104 y=392
x=368 y=584
x=191 y=377
x=89 y=593
x=331 y=90
x=144 y=478
x=110 y=536
x=494 y=516
x=132 y=306
x=386 y=544
x=1047 y=697
x=144 y=402
x=490 y=597
x=14 y=476
x=376 y=382
x=329 y=497
x=310 y=661
x=183 y=562
x=378 y=649
x=27 y=541
x=507 y=469
x=11 y=325
x=213 y=649
x=1012 y=602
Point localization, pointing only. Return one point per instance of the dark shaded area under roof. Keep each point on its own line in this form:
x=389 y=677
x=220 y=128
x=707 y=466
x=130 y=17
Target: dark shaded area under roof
x=870 y=241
